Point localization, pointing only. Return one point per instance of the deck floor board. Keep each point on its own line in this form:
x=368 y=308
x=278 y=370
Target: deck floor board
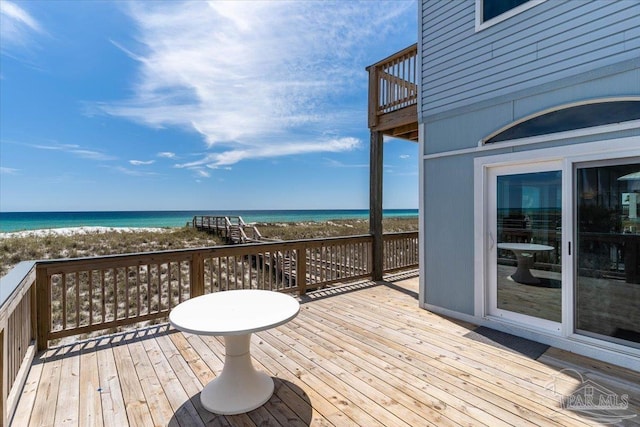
x=362 y=354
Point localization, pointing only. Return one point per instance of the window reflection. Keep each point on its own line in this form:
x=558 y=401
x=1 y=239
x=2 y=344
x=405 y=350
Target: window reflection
x=529 y=220
x=571 y=118
x=608 y=256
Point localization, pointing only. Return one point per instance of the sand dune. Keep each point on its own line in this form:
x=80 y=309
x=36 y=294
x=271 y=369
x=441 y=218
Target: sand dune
x=70 y=231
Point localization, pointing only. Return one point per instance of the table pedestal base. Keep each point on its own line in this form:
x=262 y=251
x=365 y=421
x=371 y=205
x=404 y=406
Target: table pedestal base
x=240 y=387
x=523 y=274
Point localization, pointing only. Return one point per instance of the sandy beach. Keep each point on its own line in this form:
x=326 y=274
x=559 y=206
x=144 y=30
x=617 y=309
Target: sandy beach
x=71 y=231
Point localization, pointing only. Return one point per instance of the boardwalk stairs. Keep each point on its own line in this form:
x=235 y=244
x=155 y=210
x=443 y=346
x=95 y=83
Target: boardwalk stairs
x=231 y=228
x=235 y=231
x=283 y=264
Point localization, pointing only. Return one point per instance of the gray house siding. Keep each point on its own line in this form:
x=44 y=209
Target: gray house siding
x=448 y=208
x=551 y=41
x=448 y=217
x=556 y=53
x=444 y=132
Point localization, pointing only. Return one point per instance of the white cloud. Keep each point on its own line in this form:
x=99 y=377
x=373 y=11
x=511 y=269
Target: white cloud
x=17 y=26
x=8 y=171
x=141 y=162
x=404 y=156
x=133 y=172
x=202 y=173
x=230 y=157
x=167 y=154
x=255 y=79
x=77 y=151
x=337 y=164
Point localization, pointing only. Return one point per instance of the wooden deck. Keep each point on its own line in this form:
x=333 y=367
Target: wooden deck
x=362 y=354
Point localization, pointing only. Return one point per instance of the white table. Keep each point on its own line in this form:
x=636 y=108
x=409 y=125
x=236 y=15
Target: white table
x=235 y=315
x=524 y=256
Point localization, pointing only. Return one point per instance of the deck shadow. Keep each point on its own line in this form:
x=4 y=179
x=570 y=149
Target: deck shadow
x=289 y=405
x=336 y=290
x=405 y=291
x=98 y=343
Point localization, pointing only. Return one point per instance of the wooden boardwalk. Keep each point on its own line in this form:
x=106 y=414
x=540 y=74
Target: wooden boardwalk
x=362 y=354
x=233 y=229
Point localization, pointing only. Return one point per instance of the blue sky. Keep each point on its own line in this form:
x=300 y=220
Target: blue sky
x=171 y=105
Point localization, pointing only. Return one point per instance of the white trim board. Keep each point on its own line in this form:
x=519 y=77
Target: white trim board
x=421 y=228
x=480 y=25
x=558 y=136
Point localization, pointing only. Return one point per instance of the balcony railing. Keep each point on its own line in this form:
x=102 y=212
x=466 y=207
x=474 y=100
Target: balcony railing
x=53 y=299
x=393 y=93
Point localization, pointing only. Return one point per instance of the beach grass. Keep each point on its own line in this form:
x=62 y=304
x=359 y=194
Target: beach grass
x=14 y=249
x=88 y=242
x=332 y=228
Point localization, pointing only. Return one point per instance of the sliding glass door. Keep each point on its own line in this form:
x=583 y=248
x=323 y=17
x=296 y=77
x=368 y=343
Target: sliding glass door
x=525 y=241
x=559 y=251
x=607 y=271
x=524 y=214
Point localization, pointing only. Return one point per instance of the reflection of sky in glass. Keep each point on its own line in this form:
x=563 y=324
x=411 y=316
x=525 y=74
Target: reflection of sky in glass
x=635 y=176
x=539 y=190
x=530 y=197
x=632 y=180
x=604 y=186
x=578 y=117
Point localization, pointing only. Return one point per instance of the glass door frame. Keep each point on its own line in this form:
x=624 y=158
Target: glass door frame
x=492 y=309
x=576 y=163
x=571 y=156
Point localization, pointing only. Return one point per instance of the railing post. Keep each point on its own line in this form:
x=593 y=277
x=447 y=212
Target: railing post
x=197 y=275
x=374 y=94
x=301 y=270
x=375 y=204
x=43 y=308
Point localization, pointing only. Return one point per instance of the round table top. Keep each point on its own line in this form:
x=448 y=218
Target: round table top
x=235 y=312
x=524 y=247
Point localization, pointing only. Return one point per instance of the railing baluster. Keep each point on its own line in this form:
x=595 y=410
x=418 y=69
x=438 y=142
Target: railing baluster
x=138 y=295
x=64 y=301
x=148 y=283
x=300 y=266
x=102 y=298
x=235 y=272
x=219 y=284
x=90 y=280
x=126 y=292
x=169 y=287
x=77 y=298
x=114 y=280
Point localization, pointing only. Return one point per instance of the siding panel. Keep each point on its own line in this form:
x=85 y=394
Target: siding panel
x=632 y=39
x=509 y=84
x=449 y=222
x=548 y=42
x=621 y=84
x=573 y=33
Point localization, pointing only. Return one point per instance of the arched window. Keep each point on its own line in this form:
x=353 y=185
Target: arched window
x=571 y=117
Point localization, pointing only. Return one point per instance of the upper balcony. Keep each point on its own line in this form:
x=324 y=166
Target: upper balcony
x=393 y=95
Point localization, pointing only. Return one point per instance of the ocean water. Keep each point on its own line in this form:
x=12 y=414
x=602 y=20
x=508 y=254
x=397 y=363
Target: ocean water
x=17 y=221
